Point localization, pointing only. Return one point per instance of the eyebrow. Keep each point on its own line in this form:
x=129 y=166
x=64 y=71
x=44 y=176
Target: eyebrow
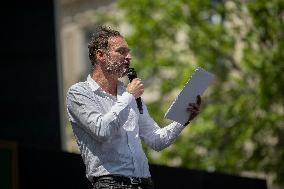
x=124 y=48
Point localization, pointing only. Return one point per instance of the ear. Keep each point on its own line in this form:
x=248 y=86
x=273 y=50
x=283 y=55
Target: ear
x=100 y=55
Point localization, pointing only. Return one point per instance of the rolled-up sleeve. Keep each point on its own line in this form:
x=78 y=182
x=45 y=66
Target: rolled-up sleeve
x=84 y=111
x=154 y=136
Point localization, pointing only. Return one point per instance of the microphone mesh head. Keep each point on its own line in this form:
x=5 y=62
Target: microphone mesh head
x=131 y=74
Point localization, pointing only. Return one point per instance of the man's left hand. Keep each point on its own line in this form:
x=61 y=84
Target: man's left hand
x=194 y=109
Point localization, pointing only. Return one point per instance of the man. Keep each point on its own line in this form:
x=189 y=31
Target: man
x=106 y=122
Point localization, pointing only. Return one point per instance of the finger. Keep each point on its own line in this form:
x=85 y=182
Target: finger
x=192 y=109
x=138 y=80
x=198 y=100
x=195 y=106
x=194 y=112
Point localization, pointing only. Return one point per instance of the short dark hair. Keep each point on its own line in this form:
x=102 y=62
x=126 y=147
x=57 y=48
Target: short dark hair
x=99 y=40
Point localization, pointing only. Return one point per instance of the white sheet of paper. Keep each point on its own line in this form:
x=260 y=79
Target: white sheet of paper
x=196 y=85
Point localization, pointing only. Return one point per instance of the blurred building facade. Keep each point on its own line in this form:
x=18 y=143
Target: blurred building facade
x=75 y=22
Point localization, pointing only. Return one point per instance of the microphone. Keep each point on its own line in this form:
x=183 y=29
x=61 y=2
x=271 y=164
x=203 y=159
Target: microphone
x=131 y=74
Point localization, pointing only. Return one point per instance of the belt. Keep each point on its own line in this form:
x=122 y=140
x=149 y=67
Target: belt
x=125 y=180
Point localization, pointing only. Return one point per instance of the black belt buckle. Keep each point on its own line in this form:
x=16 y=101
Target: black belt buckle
x=134 y=180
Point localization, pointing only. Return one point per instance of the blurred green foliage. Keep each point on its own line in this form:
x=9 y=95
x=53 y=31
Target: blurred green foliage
x=241 y=126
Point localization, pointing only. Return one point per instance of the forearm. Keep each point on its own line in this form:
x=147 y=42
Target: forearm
x=159 y=138
x=164 y=137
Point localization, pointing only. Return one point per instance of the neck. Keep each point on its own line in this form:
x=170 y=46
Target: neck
x=106 y=81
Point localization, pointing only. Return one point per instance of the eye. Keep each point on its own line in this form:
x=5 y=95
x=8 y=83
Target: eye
x=123 y=51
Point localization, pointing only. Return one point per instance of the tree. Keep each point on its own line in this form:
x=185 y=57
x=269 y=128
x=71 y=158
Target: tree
x=241 y=127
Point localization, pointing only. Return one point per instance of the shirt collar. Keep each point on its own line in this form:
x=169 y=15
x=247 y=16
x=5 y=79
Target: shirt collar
x=94 y=86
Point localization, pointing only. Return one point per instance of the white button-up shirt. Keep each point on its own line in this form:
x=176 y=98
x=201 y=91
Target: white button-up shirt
x=109 y=129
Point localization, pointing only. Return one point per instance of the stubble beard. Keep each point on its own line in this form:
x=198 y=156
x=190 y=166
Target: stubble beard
x=117 y=68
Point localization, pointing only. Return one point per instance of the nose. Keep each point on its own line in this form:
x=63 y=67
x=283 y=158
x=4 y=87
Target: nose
x=128 y=56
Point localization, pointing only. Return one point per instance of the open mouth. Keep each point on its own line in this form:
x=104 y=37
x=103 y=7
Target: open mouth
x=125 y=68
x=127 y=63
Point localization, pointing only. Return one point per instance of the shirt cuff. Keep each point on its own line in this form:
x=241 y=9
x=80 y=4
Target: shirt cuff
x=127 y=97
x=124 y=100
x=179 y=126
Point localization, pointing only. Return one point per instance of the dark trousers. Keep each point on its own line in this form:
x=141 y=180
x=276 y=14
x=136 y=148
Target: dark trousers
x=109 y=182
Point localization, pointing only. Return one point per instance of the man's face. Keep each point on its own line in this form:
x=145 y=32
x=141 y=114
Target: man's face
x=117 y=56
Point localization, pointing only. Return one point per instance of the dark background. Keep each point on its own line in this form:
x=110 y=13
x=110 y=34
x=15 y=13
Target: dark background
x=29 y=88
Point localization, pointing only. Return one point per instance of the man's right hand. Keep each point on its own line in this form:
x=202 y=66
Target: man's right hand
x=136 y=87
